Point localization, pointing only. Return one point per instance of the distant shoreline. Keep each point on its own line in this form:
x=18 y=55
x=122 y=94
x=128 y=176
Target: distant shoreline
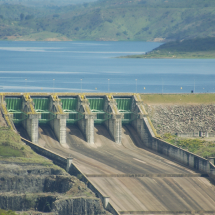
x=198 y=48
x=174 y=55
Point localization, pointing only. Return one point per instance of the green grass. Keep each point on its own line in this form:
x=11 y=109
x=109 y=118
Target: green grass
x=182 y=99
x=7 y=136
x=14 y=150
x=197 y=146
x=3 y=212
x=7 y=151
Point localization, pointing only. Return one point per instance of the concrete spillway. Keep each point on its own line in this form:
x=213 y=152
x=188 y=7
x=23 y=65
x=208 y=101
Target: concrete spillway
x=106 y=136
x=136 y=180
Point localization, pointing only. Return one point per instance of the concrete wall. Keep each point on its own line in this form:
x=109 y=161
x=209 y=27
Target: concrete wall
x=212 y=170
x=31 y=123
x=31 y=126
x=114 y=123
x=86 y=124
x=59 y=127
x=57 y=159
x=89 y=127
x=114 y=126
x=58 y=124
x=82 y=126
x=140 y=121
x=181 y=155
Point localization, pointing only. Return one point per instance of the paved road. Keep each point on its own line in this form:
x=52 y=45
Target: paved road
x=159 y=186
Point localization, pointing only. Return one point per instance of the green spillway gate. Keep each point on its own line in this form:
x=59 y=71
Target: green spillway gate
x=69 y=105
x=14 y=106
x=124 y=106
x=41 y=105
x=97 y=106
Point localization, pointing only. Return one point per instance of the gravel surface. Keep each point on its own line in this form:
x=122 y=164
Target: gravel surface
x=182 y=118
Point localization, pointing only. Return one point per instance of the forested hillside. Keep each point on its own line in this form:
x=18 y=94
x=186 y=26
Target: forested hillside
x=148 y=20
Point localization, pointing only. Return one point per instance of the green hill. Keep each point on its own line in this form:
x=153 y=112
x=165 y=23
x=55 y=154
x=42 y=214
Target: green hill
x=147 y=20
x=191 y=48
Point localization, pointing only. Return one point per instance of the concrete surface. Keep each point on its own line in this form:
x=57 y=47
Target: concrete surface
x=31 y=126
x=164 y=188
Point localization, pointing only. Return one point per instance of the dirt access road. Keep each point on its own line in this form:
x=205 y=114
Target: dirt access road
x=158 y=185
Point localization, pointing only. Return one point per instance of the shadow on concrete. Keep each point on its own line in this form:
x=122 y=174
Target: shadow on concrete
x=75 y=132
x=129 y=130
x=101 y=130
x=46 y=130
x=22 y=132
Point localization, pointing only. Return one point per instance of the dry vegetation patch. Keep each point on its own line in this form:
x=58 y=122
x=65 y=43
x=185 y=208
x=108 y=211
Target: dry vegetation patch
x=184 y=99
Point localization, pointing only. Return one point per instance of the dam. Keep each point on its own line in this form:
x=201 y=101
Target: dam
x=111 y=141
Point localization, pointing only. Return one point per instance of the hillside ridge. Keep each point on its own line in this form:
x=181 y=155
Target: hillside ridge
x=112 y=20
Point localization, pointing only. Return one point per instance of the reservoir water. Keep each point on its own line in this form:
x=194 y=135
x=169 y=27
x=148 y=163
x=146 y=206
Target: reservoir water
x=93 y=67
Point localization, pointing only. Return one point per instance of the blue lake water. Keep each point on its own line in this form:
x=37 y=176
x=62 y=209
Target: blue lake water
x=92 y=67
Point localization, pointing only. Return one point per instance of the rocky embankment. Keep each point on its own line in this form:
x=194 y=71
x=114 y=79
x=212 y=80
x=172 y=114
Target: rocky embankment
x=36 y=189
x=182 y=118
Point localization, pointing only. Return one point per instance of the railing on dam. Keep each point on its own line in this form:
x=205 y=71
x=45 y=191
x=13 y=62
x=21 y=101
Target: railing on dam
x=97 y=106
x=14 y=107
x=69 y=105
x=41 y=105
x=124 y=107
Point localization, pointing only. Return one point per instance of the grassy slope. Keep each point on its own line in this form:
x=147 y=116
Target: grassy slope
x=116 y=20
x=3 y=212
x=14 y=150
